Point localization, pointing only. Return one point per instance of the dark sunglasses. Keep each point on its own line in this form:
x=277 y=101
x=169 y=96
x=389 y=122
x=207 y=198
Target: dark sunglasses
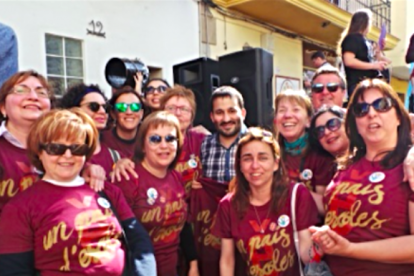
x=94 y=106
x=123 y=107
x=380 y=105
x=151 y=89
x=60 y=149
x=332 y=87
x=156 y=139
x=332 y=124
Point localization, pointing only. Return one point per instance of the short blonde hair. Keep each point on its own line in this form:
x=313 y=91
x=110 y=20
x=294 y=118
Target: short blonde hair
x=154 y=120
x=70 y=124
x=180 y=92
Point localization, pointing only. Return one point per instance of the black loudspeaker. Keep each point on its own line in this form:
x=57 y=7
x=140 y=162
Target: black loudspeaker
x=201 y=76
x=251 y=72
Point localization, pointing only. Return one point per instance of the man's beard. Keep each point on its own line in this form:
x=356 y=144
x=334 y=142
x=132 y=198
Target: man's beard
x=237 y=128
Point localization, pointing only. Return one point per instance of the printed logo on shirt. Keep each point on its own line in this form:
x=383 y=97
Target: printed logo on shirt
x=268 y=254
x=345 y=203
x=93 y=247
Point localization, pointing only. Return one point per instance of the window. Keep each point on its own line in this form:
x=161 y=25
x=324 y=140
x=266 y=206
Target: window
x=64 y=62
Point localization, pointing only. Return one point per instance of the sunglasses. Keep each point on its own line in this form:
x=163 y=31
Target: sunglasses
x=60 y=149
x=151 y=89
x=332 y=87
x=156 y=139
x=123 y=107
x=380 y=105
x=332 y=124
x=94 y=106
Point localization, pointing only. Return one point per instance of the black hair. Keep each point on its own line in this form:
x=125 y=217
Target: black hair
x=318 y=54
x=313 y=140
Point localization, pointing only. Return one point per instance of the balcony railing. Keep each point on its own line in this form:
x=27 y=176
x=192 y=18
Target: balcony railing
x=381 y=9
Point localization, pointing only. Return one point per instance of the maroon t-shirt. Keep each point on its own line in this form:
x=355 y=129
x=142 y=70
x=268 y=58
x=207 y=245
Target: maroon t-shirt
x=18 y=174
x=113 y=141
x=203 y=207
x=367 y=203
x=159 y=204
x=189 y=164
x=70 y=229
x=322 y=169
x=273 y=252
x=104 y=159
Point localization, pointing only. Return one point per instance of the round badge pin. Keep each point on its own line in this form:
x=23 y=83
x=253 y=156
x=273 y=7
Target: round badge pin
x=192 y=163
x=376 y=177
x=306 y=174
x=152 y=193
x=283 y=221
x=103 y=202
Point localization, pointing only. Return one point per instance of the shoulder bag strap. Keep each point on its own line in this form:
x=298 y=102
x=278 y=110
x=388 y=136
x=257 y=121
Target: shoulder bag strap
x=124 y=238
x=295 y=230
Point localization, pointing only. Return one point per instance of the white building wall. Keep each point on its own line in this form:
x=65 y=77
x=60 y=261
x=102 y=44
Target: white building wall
x=159 y=32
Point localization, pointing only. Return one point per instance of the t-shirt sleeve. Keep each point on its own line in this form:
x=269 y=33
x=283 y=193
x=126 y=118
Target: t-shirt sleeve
x=118 y=201
x=306 y=210
x=16 y=230
x=351 y=44
x=222 y=223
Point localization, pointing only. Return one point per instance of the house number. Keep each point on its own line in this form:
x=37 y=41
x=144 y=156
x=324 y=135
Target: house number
x=97 y=29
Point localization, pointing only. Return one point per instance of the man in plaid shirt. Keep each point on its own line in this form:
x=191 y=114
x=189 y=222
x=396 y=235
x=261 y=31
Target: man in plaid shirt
x=218 y=150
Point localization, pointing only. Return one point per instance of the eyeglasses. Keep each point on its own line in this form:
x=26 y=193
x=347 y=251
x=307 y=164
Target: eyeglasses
x=173 y=109
x=60 y=149
x=123 y=107
x=332 y=87
x=24 y=90
x=95 y=106
x=332 y=124
x=151 y=89
x=156 y=139
x=381 y=105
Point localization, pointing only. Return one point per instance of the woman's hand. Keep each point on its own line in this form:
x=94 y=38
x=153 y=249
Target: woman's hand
x=329 y=241
x=123 y=168
x=95 y=175
x=193 y=269
x=379 y=65
x=138 y=77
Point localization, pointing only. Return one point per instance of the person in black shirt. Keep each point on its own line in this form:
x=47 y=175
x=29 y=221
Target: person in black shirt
x=356 y=51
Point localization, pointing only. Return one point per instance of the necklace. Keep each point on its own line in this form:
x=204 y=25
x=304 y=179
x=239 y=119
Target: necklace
x=259 y=220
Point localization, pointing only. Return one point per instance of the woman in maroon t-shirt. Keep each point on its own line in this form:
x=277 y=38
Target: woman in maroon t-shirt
x=368 y=200
x=181 y=102
x=157 y=197
x=257 y=219
x=24 y=97
x=93 y=102
x=60 y=225
x=127 y=112
x=292 y=118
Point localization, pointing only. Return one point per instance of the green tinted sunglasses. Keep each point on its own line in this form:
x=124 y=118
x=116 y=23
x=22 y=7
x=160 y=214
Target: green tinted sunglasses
x=123 y=107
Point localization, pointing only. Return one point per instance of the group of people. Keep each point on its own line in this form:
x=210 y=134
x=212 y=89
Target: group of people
x=128 y=186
